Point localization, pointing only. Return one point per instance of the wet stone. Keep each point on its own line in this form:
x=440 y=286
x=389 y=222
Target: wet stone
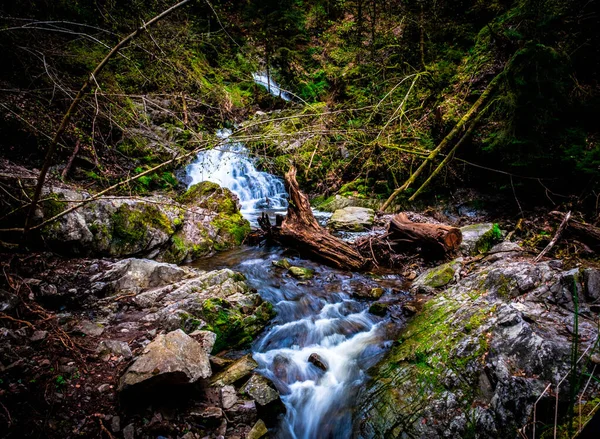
x=301 y=273
x=235 y=372
x=228 y=397
x=318 y=361
x=90 y=328
x=259 y=388
x=259 y=430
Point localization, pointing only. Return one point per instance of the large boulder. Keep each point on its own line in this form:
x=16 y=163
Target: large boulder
x=475 y=359
x=170 y=359
x=203 y=220
x=352 y=219
x=174 y=297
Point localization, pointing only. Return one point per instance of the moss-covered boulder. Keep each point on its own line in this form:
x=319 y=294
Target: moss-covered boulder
x=205 y=219
x=479 y=238
x=473 y=362
x=211 y=222
x=181 y=297
x=437 y=277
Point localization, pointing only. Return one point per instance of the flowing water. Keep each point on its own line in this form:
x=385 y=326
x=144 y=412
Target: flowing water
x=319 y=318
x=231 y=166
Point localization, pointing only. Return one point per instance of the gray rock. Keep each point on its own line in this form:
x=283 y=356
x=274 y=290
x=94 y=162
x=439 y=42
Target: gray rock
x=206 y=339
x=260 y=390
x=129 y=432
x=106 y=348
x=115 y=424
x=8 y=300
x=591 y=279
x=134 y=275
x=477 y=238
x=38 y=335
x=353 y=219
x=102 y=388
x=175 y=357
x=90 y=328
x=228 y=396
x=503 y=352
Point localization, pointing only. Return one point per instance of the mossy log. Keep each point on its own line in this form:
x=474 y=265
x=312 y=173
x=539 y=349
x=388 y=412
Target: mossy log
x=301 y=231
x=437 y=238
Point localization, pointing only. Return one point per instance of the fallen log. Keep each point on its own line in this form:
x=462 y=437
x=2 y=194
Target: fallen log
x=436 y=238
x=586 y=233
x=404 y=237
x=300 y=230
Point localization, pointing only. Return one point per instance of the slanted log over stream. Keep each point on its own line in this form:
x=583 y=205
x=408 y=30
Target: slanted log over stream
x=300 y=230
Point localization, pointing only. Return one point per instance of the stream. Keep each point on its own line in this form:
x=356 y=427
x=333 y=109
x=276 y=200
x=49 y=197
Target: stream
x=321 y=318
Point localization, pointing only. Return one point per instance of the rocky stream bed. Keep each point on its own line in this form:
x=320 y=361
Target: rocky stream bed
x=103 y=335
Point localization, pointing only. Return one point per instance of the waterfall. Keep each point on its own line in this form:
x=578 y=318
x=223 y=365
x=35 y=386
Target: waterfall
x=231 y=166
x=270 y=84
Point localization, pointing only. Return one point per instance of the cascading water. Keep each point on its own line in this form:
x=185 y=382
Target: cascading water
x=230 y=166
x=263 y=79
x=318 y=317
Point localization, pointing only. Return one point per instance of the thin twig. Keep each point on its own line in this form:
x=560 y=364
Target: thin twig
x=559 y=231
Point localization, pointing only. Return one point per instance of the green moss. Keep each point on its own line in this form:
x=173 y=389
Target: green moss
x=230 y=325
x=426 y=347
x=130 y=224
x=301 y=273
x=211 y=196
x=489 y=239
x=439 y=276
x=232 y=227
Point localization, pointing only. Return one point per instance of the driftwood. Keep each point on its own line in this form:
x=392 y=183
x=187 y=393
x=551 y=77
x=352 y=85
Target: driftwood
x=301 y=231
x=586 y=233
x=404 y=237
x=436 y=238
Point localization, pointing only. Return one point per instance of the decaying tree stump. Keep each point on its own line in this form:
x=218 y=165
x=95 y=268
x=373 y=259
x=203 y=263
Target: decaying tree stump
x=301 y=231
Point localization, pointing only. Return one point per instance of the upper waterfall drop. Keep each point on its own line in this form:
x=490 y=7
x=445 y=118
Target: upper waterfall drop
x=230 y=166
x=261 y=78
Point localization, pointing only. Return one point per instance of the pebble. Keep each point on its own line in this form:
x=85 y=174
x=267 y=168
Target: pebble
x=103 y=388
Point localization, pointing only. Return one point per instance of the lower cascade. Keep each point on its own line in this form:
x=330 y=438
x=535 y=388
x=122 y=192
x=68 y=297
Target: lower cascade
x=321 y=343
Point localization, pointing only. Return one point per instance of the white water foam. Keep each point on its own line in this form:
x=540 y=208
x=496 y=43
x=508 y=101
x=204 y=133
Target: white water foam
x=261 y=78
x=231 y=166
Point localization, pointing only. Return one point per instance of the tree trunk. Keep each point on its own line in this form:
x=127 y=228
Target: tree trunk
x=301 y=231
x=466 y=120
x=438 y=238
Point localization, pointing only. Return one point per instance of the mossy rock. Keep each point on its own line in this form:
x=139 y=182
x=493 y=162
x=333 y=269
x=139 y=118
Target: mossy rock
x=231 y=230
x=233 y=328
x=436 y=277
x=479 y=238
x=301 y=273
x=282 y=263
x=136 y=227
x=211 y=196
